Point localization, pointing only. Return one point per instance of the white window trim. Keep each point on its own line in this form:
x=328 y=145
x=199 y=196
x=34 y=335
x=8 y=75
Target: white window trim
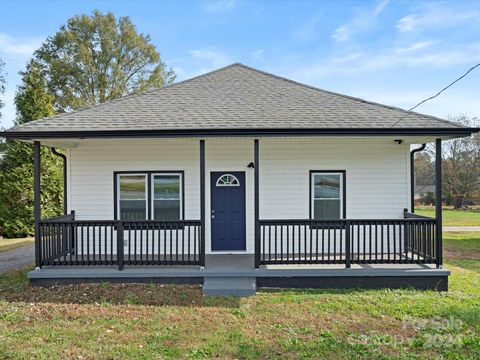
x=119 y=194
x=312 y=191
x=180 y=179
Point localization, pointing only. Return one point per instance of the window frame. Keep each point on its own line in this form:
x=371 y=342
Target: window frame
x=343 y=191
x=152 y=188
x=149 y=187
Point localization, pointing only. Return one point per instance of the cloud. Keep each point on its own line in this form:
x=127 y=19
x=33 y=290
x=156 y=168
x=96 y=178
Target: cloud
x=219 y=7
x=419 y=55
x=435 y=17
x=362 y=20
x=205 y=60
x=216 y=58
x=380 y=7
x=308 y=30
x=416 y=46
x=257 y=55
x=18 y=48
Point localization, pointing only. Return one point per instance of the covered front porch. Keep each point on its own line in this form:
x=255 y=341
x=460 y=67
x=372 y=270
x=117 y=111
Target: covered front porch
x=346 y=252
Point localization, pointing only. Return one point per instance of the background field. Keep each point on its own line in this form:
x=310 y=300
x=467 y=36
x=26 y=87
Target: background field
x=453 y=217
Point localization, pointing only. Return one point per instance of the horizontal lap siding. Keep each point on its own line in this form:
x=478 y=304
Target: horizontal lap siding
x=92 y=164
x=376 y=174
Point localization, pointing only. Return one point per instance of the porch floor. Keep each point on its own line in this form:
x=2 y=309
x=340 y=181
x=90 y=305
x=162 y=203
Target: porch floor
x=273 y=276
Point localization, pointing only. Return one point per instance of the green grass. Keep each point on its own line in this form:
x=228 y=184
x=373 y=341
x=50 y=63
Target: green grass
x=9 y=244
x=128 y=321
x=453 y=217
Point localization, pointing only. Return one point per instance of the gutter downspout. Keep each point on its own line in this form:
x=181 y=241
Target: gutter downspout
x=64 y=159
x=412 y=176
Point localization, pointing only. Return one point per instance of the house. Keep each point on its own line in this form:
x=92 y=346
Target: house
x=239 y=179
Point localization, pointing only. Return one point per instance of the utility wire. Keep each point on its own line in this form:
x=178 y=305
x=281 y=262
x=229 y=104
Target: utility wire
x=437 y=94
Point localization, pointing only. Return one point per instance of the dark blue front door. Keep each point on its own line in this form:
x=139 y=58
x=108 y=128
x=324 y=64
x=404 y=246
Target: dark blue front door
x=228 y=210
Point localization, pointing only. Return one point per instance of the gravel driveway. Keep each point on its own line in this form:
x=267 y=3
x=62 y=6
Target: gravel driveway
x=17 y=258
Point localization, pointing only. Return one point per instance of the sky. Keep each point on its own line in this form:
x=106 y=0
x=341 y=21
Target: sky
x=393 y=52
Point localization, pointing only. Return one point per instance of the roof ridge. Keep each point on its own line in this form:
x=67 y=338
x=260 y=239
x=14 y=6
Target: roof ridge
x=348 y=96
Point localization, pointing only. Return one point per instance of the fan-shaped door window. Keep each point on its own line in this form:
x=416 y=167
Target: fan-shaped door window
x=227 y=180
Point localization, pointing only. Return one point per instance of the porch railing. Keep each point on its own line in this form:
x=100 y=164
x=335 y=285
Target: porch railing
x=378 y=241
x=66 y=241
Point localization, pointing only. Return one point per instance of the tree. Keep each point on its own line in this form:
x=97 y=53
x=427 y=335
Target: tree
x=16 y=169
x=93 y=59
x=2 y=84
x=461 y=167
x=2 y=91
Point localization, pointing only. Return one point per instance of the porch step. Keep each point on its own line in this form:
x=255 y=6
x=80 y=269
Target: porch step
x=229 y=286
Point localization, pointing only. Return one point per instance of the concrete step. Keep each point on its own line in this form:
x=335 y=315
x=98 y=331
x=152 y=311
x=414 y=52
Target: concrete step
x=229 y=286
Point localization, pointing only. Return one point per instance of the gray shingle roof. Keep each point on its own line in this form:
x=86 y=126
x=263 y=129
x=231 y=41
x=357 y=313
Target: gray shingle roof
x=235 y=97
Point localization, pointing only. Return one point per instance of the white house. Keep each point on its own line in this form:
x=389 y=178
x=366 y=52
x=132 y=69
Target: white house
x=239 y=177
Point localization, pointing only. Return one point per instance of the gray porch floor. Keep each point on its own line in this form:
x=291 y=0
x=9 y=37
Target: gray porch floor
x=104 y=272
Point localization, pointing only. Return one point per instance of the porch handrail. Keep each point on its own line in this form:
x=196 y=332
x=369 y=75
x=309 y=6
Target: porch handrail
x=349 y=241
x=68 y=241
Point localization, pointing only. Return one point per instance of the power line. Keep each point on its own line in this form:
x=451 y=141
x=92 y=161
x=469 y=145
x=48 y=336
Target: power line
x=437 y=94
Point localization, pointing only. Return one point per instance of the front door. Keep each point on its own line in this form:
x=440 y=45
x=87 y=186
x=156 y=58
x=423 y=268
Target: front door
x=227 y=192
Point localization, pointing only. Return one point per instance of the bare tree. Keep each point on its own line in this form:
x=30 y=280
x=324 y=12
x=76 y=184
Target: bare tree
x=461 y=166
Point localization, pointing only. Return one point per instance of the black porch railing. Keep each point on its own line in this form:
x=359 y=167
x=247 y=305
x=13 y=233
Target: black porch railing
x=65 y=241
x=404 y=241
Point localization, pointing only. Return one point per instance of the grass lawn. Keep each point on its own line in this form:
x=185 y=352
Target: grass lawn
x=9 y=244
x=128 y=321
x=453 y=217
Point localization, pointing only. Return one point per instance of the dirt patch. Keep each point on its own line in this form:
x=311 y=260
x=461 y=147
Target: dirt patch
x=456 y=253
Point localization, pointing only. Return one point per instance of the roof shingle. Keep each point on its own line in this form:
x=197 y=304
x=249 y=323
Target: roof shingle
x=235 y=97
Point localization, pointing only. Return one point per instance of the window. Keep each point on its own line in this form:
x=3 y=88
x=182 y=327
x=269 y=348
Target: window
x=227 y=180
x=166 y=196
x=133 y=197
x=149 y=195
x=327 y=195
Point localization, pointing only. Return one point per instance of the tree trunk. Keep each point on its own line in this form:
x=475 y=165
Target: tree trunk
x=457 y=202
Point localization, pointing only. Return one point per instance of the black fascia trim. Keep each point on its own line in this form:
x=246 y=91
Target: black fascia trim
x=149 y=174
x=344 y=185
x=29 y=135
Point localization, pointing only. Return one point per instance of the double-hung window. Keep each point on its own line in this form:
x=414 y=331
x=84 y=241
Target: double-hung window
x=166 y=197
x=132 y=199
x=149 y=196
x=327 y=195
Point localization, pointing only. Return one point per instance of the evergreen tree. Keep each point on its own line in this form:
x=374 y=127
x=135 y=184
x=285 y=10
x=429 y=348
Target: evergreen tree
x=16 y=170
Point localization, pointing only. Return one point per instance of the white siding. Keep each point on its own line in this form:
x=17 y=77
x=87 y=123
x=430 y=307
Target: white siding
x=376 y=174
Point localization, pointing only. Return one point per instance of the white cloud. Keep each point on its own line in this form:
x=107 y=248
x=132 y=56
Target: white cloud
x=257 y=55
x=380 y=7
x=216 y=58
x=205 y=60
x=18 y=48
x=220 y=6
x=415 y=47
x=420 y=55
x=435 y=17
x=362 y=20
x=308 y=30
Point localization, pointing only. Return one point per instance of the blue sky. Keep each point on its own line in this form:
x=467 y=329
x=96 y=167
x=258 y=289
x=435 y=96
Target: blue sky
x=393 y=52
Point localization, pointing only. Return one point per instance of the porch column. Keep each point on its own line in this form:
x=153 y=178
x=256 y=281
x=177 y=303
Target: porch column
x=438 y=200
x=202 y=202
x=37 y=214
x=256 y=163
